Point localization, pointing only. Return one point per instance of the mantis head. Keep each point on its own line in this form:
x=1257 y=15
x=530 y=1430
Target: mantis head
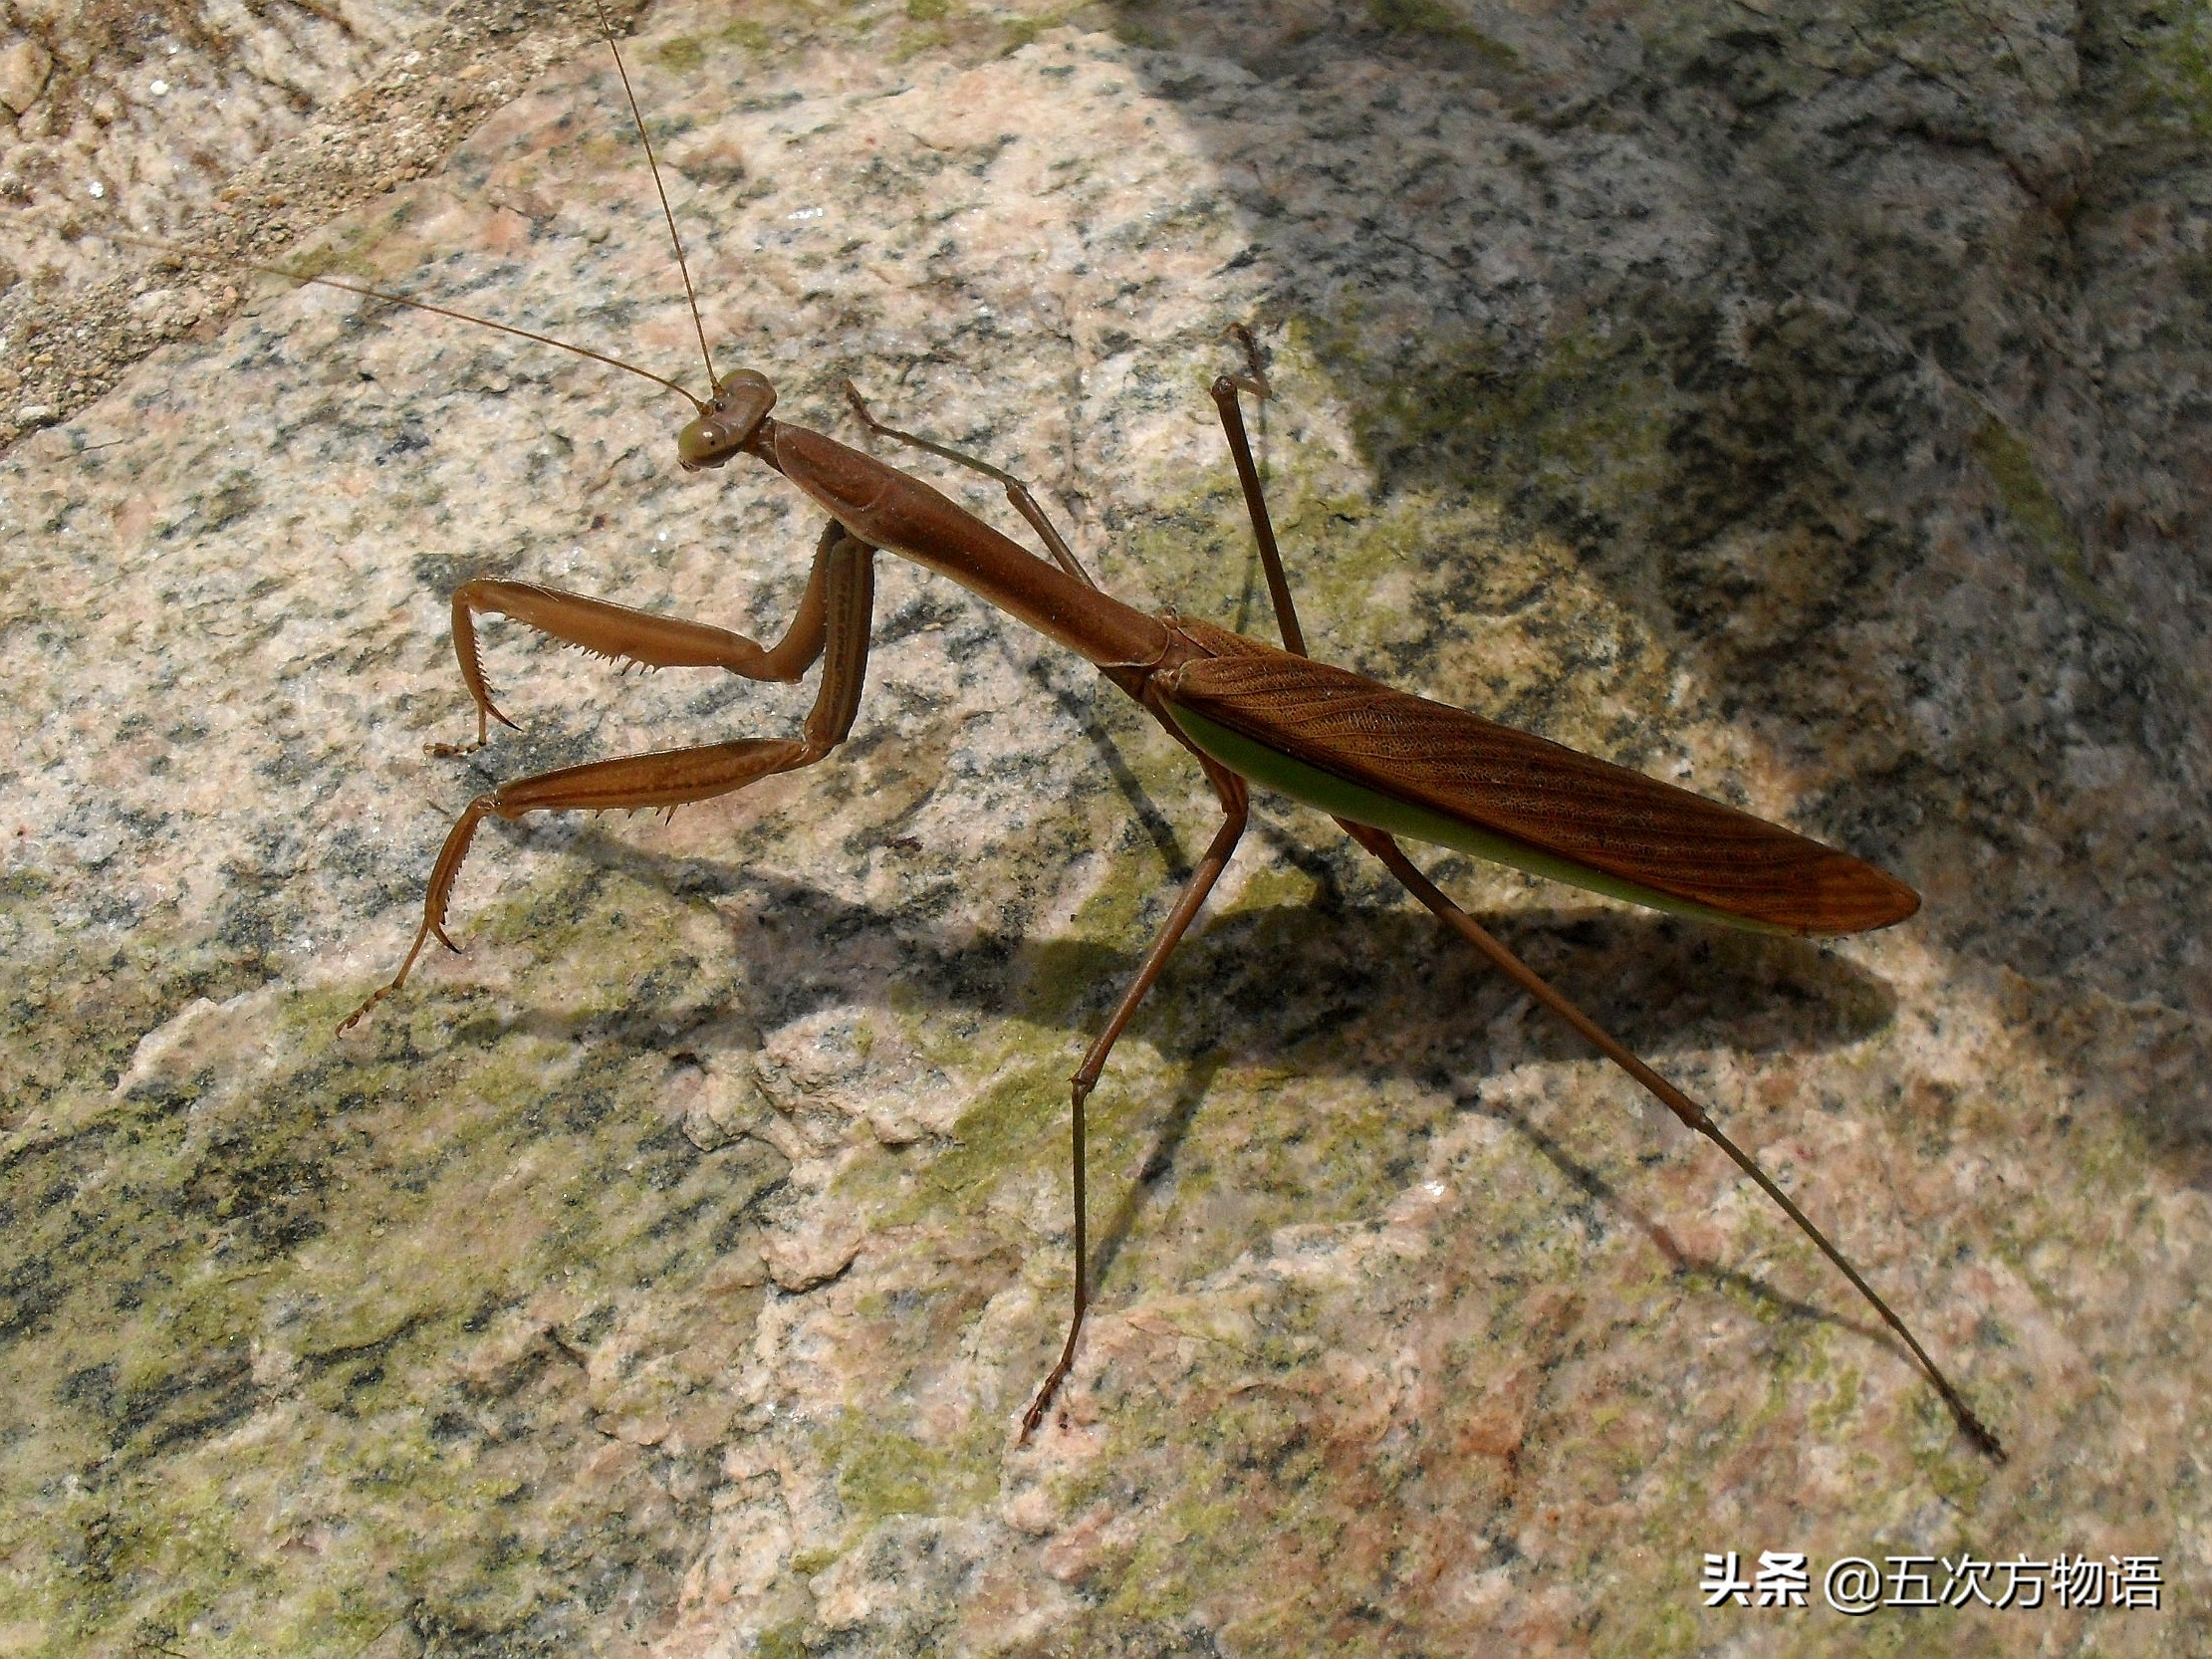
x=741 y=403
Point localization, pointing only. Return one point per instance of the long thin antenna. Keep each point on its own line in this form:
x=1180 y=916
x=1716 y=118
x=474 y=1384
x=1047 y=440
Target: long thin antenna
x=366 y=292
x=690 y=295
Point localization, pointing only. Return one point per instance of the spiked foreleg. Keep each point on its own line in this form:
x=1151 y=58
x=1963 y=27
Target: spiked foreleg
x=615 y=630
x=834 y=617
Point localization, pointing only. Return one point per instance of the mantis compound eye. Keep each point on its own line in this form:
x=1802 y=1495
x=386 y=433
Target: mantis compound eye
x=703 y=443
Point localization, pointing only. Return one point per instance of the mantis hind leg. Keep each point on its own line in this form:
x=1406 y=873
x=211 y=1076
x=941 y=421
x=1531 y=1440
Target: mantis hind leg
x=1394 y=858
x=1225 y=399
x=833 y=618
x=1235 y=807
x=1226 y=390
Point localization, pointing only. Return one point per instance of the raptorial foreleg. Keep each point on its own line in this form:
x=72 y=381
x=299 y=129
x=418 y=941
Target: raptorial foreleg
x=832 y=620
x=628 y=636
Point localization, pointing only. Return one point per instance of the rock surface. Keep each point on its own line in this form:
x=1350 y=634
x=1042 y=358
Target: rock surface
x=1805 y=404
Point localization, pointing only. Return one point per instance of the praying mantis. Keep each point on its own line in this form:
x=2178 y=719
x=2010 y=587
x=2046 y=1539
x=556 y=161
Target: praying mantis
x=1382 y=763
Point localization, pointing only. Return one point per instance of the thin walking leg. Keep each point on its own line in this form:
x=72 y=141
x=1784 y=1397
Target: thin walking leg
x=1689 y=1111
x=1017 y=492
x=1225 y=389
x=1235 y=806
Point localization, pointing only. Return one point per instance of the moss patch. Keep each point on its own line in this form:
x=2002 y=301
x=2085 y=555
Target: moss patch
x=1439 y=21
x=444 y=1314
x=2034 y=509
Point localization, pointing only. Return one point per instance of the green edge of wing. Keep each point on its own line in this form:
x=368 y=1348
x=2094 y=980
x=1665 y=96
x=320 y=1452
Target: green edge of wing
x=1339 y=797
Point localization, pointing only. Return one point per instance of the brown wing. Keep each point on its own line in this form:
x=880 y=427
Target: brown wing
x=1553 y=798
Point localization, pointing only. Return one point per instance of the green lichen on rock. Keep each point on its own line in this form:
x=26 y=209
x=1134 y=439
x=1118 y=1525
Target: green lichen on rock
x=1439 y=21
x=369 y=1266
x=2160 y=65
x=2035 y=510
x=680 y=54
x=880 y=1471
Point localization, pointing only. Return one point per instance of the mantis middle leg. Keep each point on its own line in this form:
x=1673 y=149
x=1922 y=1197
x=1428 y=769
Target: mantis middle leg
x=1235 y=809
x=1235 y=800
x=833 y=618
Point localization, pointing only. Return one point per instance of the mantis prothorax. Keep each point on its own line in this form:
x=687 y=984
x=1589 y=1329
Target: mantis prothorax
x=1381 y=763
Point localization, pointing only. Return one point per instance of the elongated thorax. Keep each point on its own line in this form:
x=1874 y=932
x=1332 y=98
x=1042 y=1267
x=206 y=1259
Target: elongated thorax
x=891 y=509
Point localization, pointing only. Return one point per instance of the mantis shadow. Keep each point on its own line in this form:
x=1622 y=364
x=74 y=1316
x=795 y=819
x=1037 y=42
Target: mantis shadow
x=1276 y=983
x=1342 y=986
x=1727 y=423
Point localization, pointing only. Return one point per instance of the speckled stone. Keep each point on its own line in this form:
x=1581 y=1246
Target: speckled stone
x=1803 y=404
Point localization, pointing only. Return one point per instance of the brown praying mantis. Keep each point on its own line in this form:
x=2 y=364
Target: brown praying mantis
x=1382 y=763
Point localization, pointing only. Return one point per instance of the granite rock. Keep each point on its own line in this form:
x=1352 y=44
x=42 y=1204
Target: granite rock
x=1803 y=405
